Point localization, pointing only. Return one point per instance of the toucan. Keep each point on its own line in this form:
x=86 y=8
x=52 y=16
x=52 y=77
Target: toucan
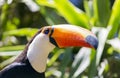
x=31 y=63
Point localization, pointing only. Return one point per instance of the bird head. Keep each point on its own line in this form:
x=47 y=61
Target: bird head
x=63 y=36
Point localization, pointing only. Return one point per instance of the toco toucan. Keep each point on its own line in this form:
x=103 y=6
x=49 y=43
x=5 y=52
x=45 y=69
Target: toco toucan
x=31 y=63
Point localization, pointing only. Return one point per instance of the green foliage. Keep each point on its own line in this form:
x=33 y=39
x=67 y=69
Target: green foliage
x=78 y=17
x=114 y=21
x=12 y=48
x=98 y=16
x=21 y=32
x=101 y=12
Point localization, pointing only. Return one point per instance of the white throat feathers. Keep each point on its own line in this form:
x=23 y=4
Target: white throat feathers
x=38 y=52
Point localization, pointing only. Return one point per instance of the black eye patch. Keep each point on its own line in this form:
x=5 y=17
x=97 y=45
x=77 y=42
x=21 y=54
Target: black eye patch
x=46 y=31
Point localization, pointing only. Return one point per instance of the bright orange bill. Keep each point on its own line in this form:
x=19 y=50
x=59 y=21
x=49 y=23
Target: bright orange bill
x=70 y=36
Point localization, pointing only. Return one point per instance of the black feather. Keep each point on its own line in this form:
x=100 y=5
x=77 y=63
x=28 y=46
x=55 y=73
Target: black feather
x=20 y=70
x=20 y=67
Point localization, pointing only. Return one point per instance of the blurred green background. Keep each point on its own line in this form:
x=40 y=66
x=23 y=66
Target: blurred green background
x=21 y=19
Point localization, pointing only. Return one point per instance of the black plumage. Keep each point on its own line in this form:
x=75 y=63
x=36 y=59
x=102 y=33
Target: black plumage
x=21 y=67
x=20 y=70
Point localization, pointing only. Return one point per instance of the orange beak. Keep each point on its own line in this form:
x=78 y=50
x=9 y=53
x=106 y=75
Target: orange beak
x=69 y=35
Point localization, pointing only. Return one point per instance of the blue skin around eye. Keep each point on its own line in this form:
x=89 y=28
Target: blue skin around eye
x=46 y=31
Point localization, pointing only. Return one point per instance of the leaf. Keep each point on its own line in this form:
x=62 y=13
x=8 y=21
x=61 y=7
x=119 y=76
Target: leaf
x=12 y=48
x=49 y=3
x=53 y=72
x=81 y=62
x=10 y=53
x=6 y=62
x=92 y=70
x=55 y=56
x=29 y=32
x=3 y=18
x=78 y=17
x=103 y=33
x=65 y=61
x=50 y=16
x=101 y=12
x=115 y=43
x=114 y=21
x=96 y=55
x=104 y=66
x=88 y=5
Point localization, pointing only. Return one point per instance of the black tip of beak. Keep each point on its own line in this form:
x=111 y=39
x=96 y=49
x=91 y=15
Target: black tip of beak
x=92 y=41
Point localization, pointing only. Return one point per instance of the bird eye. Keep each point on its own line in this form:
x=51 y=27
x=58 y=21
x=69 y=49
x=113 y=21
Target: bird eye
x=46 y=31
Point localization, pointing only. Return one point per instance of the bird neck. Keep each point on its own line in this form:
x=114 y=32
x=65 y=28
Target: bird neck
x=38 y=52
